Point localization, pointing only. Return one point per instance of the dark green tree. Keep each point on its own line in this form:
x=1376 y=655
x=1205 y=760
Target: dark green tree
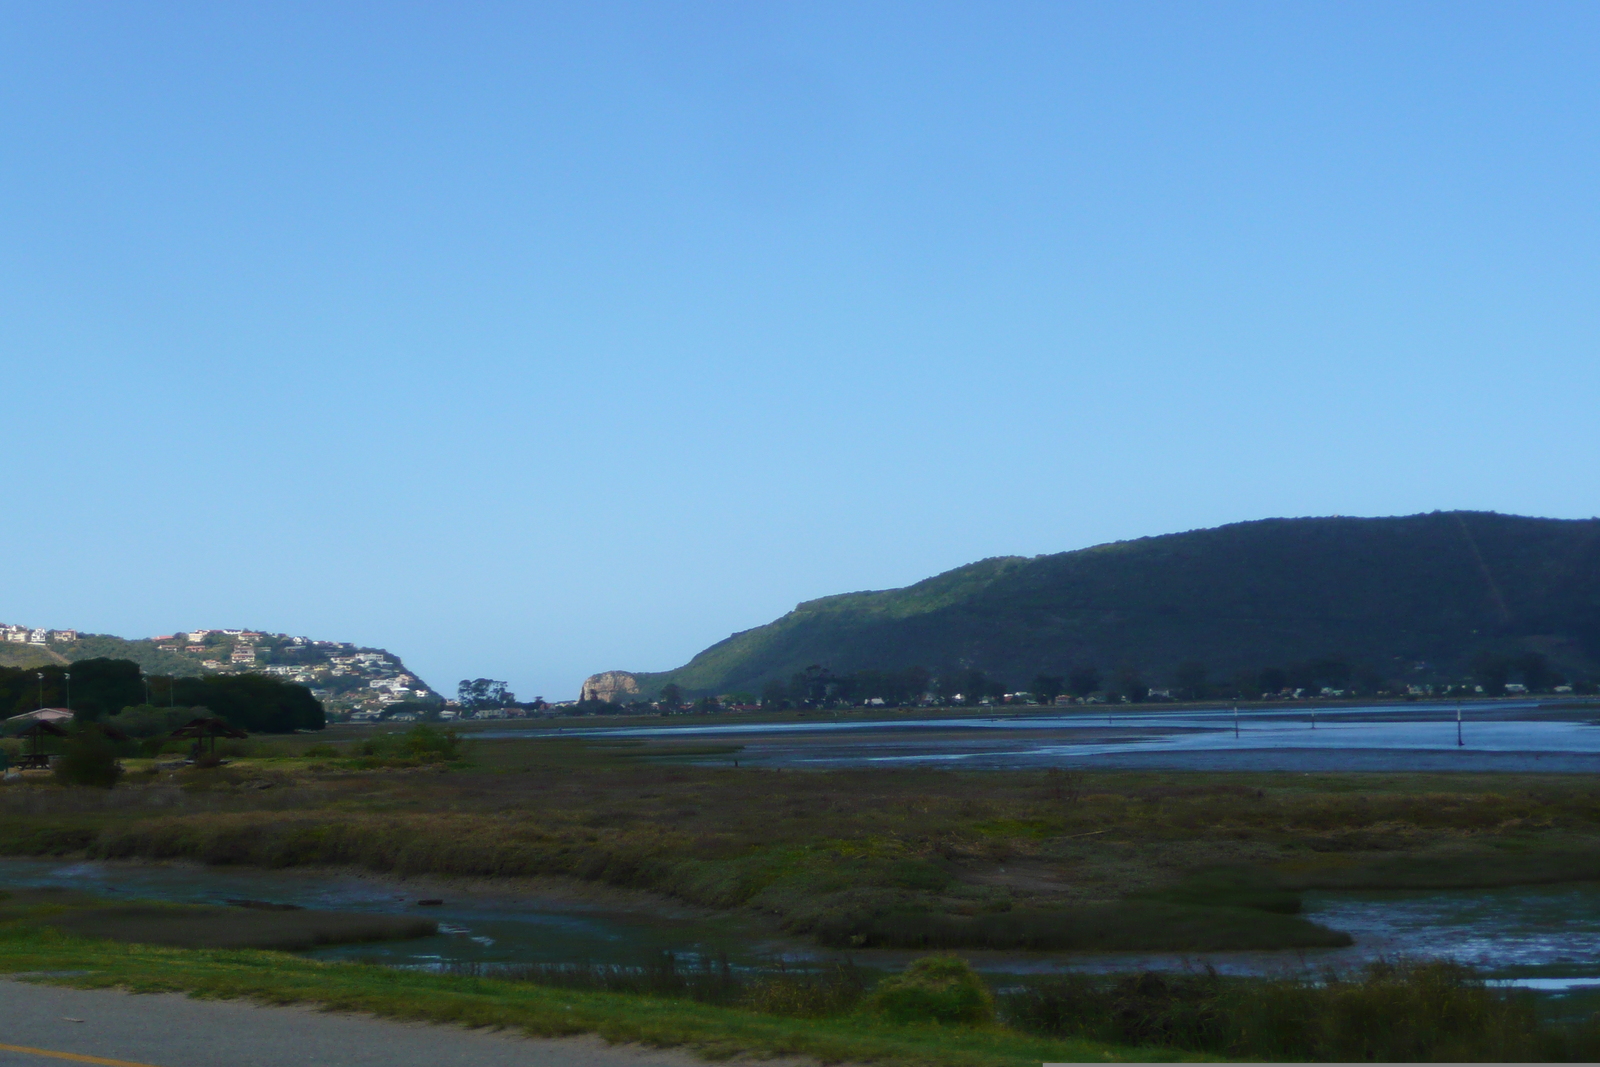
x=99 y=687
x=1131 y=686
x=1046 y=687
x=1492 y=672
x=1331 y=671
x=1190 y=679
x=1082 y=681
x=812 y=686
x=1273 y=680
x=671 y=696
x=1369 y=681
x=1536 y=672
x=476 y=693
x=254 y=702
x=88 y=758
x=968 y=685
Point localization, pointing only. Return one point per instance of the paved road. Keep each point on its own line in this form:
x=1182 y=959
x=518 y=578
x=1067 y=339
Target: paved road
x=170 y=1030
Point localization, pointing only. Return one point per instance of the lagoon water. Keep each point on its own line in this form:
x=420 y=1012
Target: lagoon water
x=1422 y=736
x=1544 y=937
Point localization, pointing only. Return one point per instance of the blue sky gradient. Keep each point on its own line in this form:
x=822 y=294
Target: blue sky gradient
x=534 y=340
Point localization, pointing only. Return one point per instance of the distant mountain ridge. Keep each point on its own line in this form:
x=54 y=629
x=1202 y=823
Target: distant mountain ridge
x=1418 y=594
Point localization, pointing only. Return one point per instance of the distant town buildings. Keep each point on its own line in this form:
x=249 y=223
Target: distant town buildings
x=26 y=635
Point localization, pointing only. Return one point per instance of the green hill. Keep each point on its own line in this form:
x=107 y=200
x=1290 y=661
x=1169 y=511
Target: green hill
x=29 y=656
x=1414 y=597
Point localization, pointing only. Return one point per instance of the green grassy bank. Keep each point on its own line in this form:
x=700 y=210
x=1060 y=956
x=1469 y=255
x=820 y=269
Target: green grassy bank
x=29 y=947
x=1416 y=1012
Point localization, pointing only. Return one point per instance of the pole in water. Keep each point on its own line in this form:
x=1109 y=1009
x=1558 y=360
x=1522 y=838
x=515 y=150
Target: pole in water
x=1236 y=720
x=1313 y=718
x=1459 y=742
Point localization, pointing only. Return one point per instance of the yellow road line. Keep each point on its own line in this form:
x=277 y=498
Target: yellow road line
x=73 y=1056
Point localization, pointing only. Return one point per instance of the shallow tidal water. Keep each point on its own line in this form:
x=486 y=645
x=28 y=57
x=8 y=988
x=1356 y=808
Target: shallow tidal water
x=475 y=926
x=1542 y=937
x=1548 y=736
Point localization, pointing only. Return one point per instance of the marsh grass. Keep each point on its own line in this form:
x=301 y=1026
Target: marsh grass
x=1417 y=1012
x=795 y=992
x=912 y=857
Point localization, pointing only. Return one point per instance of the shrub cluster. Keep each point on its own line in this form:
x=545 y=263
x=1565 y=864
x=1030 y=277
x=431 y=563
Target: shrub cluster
x=943 y=989
x=1387 y=1012
x=88 y=758
x=420 y=744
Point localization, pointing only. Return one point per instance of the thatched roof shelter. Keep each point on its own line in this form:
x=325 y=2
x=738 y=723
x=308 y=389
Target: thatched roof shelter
x=202 y=728
x=36 y=733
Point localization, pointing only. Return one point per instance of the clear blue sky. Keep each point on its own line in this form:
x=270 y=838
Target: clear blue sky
x=533 y=340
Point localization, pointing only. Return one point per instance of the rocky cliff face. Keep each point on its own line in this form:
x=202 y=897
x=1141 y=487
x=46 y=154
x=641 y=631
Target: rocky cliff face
x=618 y=687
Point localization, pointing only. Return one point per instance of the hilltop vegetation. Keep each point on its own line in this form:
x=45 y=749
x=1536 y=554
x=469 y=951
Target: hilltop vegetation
x=1436 y=597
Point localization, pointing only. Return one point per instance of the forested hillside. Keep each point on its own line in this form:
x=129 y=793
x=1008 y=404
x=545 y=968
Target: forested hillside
x=1417 y=597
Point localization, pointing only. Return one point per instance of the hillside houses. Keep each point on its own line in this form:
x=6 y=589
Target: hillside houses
x=344 y=676
x=26 y=635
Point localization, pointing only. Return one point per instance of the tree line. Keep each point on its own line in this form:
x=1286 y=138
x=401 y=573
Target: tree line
x=817 y=686
x=99 y=690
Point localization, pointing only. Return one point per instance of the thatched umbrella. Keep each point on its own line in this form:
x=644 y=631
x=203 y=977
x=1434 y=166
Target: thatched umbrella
x=203 y=728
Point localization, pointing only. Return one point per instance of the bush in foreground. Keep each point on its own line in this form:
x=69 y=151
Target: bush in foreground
x=941 y=989
x=88 y=759
x=422 y=743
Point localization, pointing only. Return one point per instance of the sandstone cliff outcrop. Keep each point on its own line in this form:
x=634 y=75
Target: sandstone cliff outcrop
x=617 y=687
